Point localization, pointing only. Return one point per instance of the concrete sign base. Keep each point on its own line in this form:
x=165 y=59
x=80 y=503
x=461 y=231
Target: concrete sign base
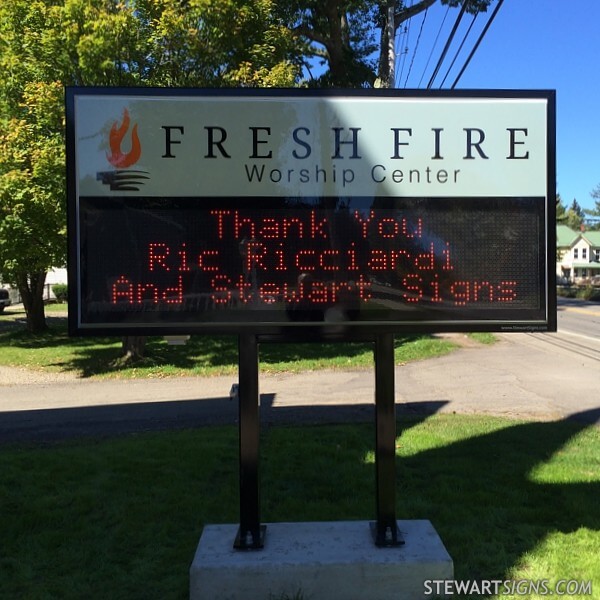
x=318 y=561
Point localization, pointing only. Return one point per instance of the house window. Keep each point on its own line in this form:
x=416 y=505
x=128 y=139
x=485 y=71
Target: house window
x=584 y=272
x=575 y=253
x=597 y=255
x=584 y=253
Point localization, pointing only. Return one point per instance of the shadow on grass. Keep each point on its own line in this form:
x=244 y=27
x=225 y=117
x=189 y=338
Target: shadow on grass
x=97 y=356
x=486 y=495
x=150 y=496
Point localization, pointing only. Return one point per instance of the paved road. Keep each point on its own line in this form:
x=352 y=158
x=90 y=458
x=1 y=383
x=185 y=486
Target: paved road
x=578 y=317
x=539 y=376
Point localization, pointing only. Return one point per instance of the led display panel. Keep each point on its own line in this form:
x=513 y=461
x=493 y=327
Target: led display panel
x=289 y=212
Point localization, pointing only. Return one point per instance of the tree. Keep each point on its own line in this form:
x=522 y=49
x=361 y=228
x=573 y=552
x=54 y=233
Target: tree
x=341 y=35
x=338 y=35
x=48 y=44
x=595 y=193
x=573 y=217
x=593 y=214
x=576 y=208
x=561 y=210
x=32 y=209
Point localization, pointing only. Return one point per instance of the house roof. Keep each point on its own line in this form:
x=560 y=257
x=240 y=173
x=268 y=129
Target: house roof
x=593 y=237
x=565 y=236
x=592 y=266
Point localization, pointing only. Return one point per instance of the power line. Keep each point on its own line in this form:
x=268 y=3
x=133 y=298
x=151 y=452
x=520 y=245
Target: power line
x=459 y=49
x=434 y=45
x=448 y=42
x=481 y=36
x=416 y=47
x=403 y=47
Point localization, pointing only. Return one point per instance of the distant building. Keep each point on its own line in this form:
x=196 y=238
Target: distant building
x=578 y=254
x=54 y=276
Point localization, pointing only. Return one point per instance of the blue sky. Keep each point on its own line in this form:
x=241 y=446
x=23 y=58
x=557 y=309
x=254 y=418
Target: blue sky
x=532 y=44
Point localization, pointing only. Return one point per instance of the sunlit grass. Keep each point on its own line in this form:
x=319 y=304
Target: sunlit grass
x=567 y=557
x=483 y=337
x=204 y=355
x=121 y=518
x=559 y=469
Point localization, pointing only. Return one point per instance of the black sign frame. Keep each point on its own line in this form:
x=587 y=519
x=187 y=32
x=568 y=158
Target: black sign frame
x=543 y=318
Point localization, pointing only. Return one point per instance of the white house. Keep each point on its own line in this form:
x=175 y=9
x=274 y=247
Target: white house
x=54 y=276
x=578 y=254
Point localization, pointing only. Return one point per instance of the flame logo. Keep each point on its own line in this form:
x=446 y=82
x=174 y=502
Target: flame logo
x=117 y=158
x=123 y=179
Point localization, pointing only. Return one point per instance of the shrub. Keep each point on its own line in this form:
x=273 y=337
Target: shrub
x=566 y=291
x=588 y=292
x=60 y=291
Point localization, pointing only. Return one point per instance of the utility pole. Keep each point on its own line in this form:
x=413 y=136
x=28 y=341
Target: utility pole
x=391 y=39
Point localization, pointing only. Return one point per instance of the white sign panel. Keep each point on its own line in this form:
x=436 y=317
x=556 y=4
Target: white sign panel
x=318 y=146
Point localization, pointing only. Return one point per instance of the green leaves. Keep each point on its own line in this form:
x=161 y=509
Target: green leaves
x=48 y=44
x=32 y=194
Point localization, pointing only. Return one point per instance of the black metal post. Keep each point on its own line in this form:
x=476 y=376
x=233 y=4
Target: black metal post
x=250 y=535
x=385 y=530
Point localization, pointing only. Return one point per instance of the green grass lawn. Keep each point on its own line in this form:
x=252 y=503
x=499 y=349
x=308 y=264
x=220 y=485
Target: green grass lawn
x=202 y=355
x=121 y=518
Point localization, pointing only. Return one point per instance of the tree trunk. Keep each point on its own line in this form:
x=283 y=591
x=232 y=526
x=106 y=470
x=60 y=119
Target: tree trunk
x=133 y=348
x=31 y=288
x=336 y=42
